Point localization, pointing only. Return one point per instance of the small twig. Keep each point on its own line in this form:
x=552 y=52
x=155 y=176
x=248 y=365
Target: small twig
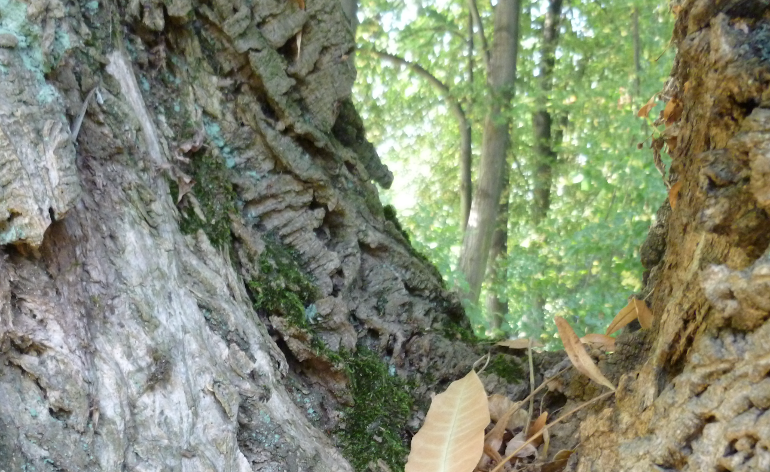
x=535 y=392
x=531 y=386
x=487 y=357
x=558 y=420
x=79 y=119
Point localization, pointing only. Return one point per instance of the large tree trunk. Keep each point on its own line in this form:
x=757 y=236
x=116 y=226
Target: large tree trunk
x=501 y=77
x=697 y=399
x=195 y=269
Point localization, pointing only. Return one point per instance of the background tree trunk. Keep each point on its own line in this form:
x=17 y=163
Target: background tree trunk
x=502 y=75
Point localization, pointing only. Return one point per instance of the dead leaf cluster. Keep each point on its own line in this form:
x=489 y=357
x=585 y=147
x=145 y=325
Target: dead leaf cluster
x=453 y=438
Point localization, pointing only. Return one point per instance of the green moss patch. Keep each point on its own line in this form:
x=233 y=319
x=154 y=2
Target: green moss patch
x=216 y=196
x=375 y=425
x=506 y=368
x=282 y=287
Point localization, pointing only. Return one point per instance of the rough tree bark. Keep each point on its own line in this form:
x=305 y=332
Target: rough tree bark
x=698 y=397
x=501 y=78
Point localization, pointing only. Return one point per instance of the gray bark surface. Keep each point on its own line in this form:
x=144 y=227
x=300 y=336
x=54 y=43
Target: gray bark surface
x=147 y=321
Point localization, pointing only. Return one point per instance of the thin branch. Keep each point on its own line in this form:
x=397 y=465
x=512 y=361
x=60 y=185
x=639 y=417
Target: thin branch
x=462 y=122
x=484 y=45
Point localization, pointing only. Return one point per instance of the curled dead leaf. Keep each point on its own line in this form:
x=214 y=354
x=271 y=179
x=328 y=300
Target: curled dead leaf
x=578 y=355
x=499 y=405
x=643 y=313
x=602 y=341
x=559 y=461
x=635 y=309
x=673 y=194
x=516 y=443
x=645 y=110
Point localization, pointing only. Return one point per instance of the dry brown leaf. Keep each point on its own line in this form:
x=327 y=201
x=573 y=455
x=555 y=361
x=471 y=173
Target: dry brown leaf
x=499 y=405
x=452 y=437
x=643 y=313
x=520 y=343
x=624 y=316
x=546 y=442
x=671 y=143
x=673 y=194
x=645 y=110
x=493 y=440
x=578 y=355
x=537 y=425
x=602 y=341
x=635 y=309
x=517 y=442
x=558 y=463
x=673 y=111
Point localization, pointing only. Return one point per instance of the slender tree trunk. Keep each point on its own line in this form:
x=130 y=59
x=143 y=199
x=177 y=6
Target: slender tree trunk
x=542 y=121
x=481 y=223
x=497 y=301
x=637 y=54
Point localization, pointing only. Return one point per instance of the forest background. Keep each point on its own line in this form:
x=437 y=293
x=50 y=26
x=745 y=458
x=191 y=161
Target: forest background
x=580 y=195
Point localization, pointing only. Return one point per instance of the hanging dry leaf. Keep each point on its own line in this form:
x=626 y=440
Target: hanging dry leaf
x=452 y=437
x=602 y=341
x=673 y=111
x=499 y=405
x=629 y=313
x=520 y=343
x=673 y=194
x=624 y=316
x=643 y=313
x=558 y=463
x=645 y=110
x=517 y=442
x=578 y=355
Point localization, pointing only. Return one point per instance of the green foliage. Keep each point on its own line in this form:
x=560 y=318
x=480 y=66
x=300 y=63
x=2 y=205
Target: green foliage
x=374 y=425
x=583 y=259
x=282 y=287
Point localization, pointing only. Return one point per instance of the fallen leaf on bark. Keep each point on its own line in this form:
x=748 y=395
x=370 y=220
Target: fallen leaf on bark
x=673 y=194
x=499 y=405
x=602 y=341
x=558 y=463
x=635 y=309
x=578 y=355
x=452 y=437
x=673 y=111
x=517 y=442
